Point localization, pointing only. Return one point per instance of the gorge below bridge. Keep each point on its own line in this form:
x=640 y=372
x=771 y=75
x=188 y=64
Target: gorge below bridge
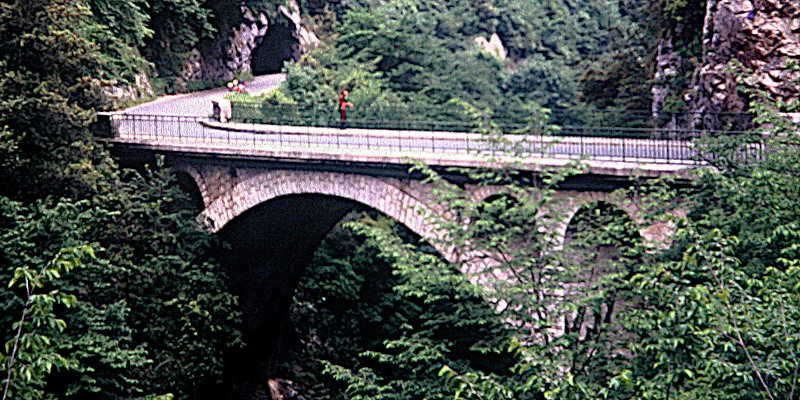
x=273 y=192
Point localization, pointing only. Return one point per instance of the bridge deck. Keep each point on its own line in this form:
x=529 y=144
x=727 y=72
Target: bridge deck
x=609 y=156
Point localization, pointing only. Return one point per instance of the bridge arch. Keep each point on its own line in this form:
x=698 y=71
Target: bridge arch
x=188 y=183
x=402 y=201
x=569 y=204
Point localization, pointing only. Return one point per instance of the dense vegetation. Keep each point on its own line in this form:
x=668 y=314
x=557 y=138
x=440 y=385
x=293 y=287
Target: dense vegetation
x=408 y=59
x=609 y=315
x=713 y=316
x=110 y=289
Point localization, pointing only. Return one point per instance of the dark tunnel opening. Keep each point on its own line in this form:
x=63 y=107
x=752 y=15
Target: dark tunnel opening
x=277 y=47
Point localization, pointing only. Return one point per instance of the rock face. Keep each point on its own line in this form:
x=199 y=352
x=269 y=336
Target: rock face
x=140 y=88
x=668 y=62
x=306 y=39
x=232 y=51
x=281 y=389
x=493 y=46
x=761 y=35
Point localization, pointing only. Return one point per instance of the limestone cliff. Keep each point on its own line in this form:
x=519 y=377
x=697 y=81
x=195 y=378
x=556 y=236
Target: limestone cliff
x=233 y=49
x=305 y=39
x=764 y=37
x=230 y=52
x=118 y=94
x=493 y=46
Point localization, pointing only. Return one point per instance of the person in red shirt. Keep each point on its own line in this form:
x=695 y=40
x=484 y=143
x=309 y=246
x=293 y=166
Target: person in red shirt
x=343 y=105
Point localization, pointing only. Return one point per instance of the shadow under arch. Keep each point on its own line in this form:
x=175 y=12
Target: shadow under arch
x=188 y=184
x=602 y=246
x=603 y=215
x=598 y=234
x=270 y=247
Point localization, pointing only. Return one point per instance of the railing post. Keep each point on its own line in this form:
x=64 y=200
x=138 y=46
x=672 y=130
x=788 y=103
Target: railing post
x=624 y=150
x=541 y=143
x=668 y=149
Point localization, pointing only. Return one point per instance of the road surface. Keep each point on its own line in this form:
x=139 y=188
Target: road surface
x=184 y=119
x=198 y=104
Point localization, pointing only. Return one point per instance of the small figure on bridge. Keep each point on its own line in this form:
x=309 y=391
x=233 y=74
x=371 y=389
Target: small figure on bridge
x=343 y=105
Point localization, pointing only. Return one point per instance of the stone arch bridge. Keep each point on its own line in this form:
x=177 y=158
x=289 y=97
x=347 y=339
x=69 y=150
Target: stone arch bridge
x=229 y=192
x=274 y=196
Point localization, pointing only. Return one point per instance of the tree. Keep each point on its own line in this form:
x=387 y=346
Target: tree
x=47 y=111
x=712 y=316
x=178 y=27
x=353 y=299
x=120 y=29
x=149 y=313
x=542 y=308
x=721 y=308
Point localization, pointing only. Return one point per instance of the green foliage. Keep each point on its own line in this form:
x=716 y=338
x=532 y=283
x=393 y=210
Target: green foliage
x=178 y=26
x=721 y=309
x=511 y=311
x=176 y=293
x=547 y=83
x=149 y=313
x=120 y=29
x=47 y=111
x=42 y=245
x=714 y=316
x=414 y=57
x=355 y=301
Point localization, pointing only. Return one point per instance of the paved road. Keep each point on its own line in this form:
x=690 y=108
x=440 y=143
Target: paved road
x=294 y=140
x=198 y=104
x=182 y=119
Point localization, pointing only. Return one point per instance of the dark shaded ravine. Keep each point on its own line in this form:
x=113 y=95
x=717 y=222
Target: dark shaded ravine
x=270 y=247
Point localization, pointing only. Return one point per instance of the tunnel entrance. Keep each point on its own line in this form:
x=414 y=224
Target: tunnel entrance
x=277 y=47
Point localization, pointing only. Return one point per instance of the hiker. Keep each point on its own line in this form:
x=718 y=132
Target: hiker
x=343 y=105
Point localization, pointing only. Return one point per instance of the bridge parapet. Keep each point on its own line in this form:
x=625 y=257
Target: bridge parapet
x=620 y=156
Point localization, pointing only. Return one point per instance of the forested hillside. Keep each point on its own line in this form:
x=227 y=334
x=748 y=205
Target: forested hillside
x=110 y=288
x=556 y=54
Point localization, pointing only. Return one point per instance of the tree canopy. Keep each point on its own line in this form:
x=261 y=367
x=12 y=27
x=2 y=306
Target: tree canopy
x=110 y=288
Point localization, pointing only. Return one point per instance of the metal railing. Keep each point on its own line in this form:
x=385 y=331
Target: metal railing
x=583 y=142
x=451 y=117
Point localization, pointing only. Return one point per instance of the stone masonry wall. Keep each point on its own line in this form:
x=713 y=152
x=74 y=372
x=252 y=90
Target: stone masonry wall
x=228 y=192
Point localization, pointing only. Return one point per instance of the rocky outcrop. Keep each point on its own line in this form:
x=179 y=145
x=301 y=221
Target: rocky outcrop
x=752 y=43
x=493 y=46
x=140 y=88
x=668 y=63
x=230 y=53
x=306 y=39
x=282 y=389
